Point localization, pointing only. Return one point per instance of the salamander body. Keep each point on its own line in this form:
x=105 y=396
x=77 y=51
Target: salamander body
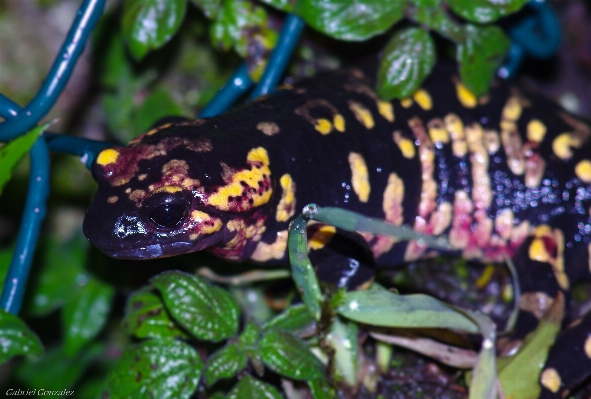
x=507 y=174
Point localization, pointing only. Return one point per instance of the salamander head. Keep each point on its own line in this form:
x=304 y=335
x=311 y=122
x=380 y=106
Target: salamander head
x=167 y=195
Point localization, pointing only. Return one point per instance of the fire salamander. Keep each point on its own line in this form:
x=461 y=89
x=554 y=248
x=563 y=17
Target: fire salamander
x=506 y=174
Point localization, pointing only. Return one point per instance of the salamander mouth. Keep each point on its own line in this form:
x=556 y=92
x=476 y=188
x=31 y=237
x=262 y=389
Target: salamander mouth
x=152 y=251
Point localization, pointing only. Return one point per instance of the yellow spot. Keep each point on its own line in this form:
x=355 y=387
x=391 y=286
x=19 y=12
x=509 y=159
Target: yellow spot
x=386 y=110
x=208 y=224
x=321 y=237
x=542 y=230
x=587 y=347
x=562 y=145
x=406 y=102
x=485 y=277
x=423 y=99
x=113 y=199
x=392 y=201
x=276 y=250
x=405 y=145
x=259 y=172
x=323 y=126
x=158 y=128
x=537 y=251
x=512 y=109
x=536 y=131
x=137 y=195
x=268 y=128
x=286 y=206
x=339 y=123
x=143 y=176
x=107 y=157
x=465 y=96
x=550 y=379
x=438 y=134
x=362 y=114
x=167 y=189
x=583 y=171
x=360 y=177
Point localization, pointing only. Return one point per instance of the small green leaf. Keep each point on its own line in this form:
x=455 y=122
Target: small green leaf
x=287 y=355
x=408 y=59
x=207 y=312
x=295 y=319
x=250 y=336
x=149 y=24
x=301 y=267
x=85 y=313
x=481 y=55
x=342 y=337
x=519 y=374
x=14 y=151
x=226 y=362
x=350 y=20
x=384 y=308
x=164 y=368
x=321 y=389
x=251 y=388
x=16 y=338
x=209 y=7
x=435 y=18
x=146 y=317
x=283 y=5
x=485 y=11
x=242 y=25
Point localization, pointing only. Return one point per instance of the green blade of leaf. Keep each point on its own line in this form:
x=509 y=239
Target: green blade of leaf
x=209 y=7
x=435 y=18
x=250 y=387
x=485 y=11
x=149 y=24
x=386 y=309
x=287 y=355
x=350 y=20
x=164 y=368
x=85 y=313
x=321 y=389
x=519 y=374
x=408 y=59
x=16 y=338
x=301 y=267
x=353 y=221
x=207 y=312
x=481 y=55
x=343 y=339
x=226 y=362
x=14 y=151
x=146 y=317
x=295 y=319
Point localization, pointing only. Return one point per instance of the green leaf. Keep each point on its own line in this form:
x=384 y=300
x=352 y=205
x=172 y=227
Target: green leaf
x=295 y=319
x=56 y=370
x=149 y=24
x=485 y=11
x=283 y=5
x=481 y=55
x=251 y=388
x=302 y=271
x=242 y=25
x=146 y=317
x=529 y=360
x=384 y=308
x=163 y=368
x=350 y=20
x=157 y=105
x=207 y=312
x=209 y=7
x=61 y=271
x=250 y=336
x=15 y=150
x=5 y=259
x=435 y=18
x=342 y=337
x=321 y=389
x=16 y=338
x=408 y=59
x=226 y=362
x=85 y=313
x=287 y=355
x=355 y=222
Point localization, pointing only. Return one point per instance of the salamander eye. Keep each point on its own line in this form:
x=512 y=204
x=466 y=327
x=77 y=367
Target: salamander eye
x=168 y=215
x=167 y=209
